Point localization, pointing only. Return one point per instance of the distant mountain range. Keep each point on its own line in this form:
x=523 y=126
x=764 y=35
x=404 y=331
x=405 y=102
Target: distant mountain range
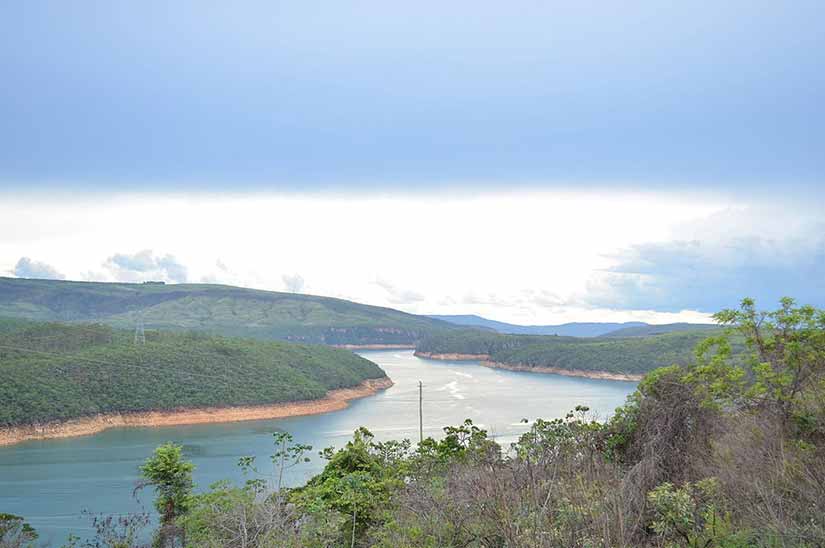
x=241 y=312
x=648 y=330
x=573 y=329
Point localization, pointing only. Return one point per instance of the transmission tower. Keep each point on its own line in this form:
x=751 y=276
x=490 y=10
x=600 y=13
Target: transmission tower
x=140 y=334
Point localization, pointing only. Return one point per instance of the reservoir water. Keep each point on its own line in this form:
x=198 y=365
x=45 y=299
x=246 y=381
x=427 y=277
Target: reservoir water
x=56 y=484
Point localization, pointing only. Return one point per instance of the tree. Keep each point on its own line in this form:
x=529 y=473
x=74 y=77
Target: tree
x=15 y=532
x=786 y=358
x=287 y=455
x=171 y=476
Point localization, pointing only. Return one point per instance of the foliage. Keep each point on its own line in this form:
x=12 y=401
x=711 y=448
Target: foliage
x=357 y=481
x=228 y=516
x=15 y=532
x=287 y=455
x=691 y=515
x=171 y=477
x=786 y=354
x=60 y=371
x=123 y=531
x=634 y=355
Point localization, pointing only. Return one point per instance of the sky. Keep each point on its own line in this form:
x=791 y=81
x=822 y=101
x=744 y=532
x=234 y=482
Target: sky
x=535 y=162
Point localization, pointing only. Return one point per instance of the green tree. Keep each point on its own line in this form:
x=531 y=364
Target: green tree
x=693 y=516
x=287 y=455
x=171 y=476
x=786 y=358
x=15 y=532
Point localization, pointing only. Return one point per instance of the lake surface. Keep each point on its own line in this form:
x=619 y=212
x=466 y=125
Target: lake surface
x=51 y=483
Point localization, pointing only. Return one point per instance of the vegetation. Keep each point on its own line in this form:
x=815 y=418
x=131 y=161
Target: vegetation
x=216 y=309
x=171 y=478
x=55 y=372
x=15 y=532
x=720 y=453
x=573 y=329
x=636 y=355
x=648 y=330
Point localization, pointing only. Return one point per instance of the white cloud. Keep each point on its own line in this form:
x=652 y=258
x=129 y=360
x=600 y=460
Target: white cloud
x=27 y=268
x=144 y=266
x=397 y=295
x=524 y=257
x=294 y=283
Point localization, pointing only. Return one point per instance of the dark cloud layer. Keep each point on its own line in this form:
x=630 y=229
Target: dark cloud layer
x=290 y=95
x=711 y=275
x=27 y=268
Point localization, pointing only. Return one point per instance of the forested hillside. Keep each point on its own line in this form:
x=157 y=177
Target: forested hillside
x=218 y=309
x=632 y=356
x=54 y=371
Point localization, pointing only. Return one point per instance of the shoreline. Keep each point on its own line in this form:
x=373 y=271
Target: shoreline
x=451 y=356
x=599 y=375
x=484 y=359
x=335 y=400
x=374 y=346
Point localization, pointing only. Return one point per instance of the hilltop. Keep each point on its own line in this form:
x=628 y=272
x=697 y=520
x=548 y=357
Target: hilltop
x=57 y=372
x=572 y=329
x=647 y=330
x=218 y=309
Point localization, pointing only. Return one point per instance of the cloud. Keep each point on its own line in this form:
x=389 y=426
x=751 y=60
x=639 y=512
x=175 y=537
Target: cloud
x=293 y=283
x=223 y=275
x=526 y=298
x=27 y=268
x=397 y=295
x=712 y=274
x=144 y=265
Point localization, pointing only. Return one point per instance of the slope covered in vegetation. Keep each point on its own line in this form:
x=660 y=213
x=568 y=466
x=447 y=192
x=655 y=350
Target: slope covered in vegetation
x=53 y=372
x=218 y=309
x=721 y=453
x=631 y=356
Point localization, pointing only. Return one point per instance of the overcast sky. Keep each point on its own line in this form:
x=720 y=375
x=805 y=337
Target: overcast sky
x=531 y=161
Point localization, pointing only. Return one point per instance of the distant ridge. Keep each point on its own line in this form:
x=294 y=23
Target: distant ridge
x=217 y=309
x=649 y=330
x=574 y=329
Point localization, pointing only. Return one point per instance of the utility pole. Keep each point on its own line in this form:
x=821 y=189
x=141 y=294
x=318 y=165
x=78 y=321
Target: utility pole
x=420 y=412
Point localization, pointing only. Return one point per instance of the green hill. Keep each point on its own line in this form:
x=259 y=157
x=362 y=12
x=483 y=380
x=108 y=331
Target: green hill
x=55 y=371
x=219 y=309
x=572 y=329
x=650 y=330
x=634 y=355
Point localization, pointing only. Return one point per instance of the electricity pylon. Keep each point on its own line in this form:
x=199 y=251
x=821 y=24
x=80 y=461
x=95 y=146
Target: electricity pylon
x=140 y=334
